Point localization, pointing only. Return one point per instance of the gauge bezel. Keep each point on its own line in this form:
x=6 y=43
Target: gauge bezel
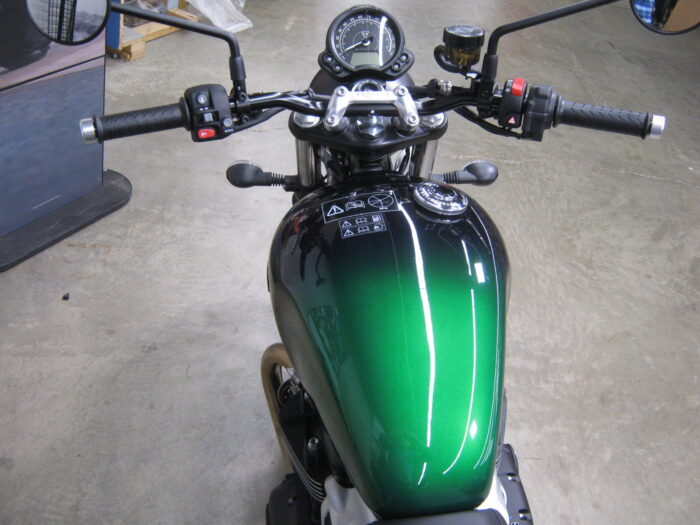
x=395 y=66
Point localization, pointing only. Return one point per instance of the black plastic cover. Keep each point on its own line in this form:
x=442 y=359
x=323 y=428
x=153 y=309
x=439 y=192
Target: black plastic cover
x=479 y=173
x=289 y=503
x=247 y=174
x=539 y=111
x=518 y=506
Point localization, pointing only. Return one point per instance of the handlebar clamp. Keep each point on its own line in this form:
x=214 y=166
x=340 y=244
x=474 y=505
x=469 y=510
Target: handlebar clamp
x=342 y=99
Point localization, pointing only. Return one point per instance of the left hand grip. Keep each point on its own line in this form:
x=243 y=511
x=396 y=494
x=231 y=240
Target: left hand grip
x=137 y=122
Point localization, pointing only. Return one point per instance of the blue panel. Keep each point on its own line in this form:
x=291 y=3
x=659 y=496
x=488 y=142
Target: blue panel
x=113 y=28
x=44 y=163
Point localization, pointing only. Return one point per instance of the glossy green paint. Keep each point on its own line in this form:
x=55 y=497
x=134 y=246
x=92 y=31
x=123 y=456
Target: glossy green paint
x=399 y=338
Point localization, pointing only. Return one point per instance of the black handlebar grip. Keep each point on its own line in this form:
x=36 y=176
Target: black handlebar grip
x=609 y=119
x=141 y=121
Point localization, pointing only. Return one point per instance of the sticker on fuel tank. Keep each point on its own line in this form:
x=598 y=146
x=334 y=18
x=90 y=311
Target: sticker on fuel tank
x=362 y=225
x=354 y=205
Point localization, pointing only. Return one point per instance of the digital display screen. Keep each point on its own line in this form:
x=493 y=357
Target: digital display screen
x=365 y=58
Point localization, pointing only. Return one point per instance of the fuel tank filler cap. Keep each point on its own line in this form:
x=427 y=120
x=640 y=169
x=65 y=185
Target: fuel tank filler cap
x=440 y=198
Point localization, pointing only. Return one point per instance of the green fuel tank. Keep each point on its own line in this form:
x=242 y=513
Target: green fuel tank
x=394 y=318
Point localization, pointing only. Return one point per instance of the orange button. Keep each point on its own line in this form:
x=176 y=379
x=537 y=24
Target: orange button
x=206 y=133
x=517 y=87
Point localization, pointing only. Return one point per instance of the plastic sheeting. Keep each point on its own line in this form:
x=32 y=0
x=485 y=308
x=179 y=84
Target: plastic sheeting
x=148 y=5
x=226 y=14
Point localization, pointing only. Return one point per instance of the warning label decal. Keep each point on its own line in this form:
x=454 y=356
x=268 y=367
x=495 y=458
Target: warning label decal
x=354 y=205
x=362 y=224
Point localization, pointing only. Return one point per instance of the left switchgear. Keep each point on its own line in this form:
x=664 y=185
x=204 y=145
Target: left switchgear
x=210 y=112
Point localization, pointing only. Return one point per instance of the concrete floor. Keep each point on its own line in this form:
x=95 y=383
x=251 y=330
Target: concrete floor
x=138 y=400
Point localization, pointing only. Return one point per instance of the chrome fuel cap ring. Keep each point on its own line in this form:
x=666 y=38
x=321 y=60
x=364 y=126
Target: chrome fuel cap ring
x=440 y=198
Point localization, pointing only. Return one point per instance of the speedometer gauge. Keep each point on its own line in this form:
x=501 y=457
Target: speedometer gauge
x=365 y=38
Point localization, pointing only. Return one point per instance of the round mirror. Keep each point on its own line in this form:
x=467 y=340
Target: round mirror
x=668 y=17
x=69 y=21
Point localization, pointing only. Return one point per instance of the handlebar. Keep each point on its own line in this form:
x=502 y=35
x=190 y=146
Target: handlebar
x=540 y=109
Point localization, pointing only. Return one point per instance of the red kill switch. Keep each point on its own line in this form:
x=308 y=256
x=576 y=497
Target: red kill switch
x=517 y=87
x=206 y=133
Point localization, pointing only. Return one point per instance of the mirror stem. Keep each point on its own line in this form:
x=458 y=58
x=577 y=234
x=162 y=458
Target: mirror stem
x=490 y=63
x=540 y=19
x=236 y=60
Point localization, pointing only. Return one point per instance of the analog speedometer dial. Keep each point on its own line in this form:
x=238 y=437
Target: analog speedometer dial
x=366 y=39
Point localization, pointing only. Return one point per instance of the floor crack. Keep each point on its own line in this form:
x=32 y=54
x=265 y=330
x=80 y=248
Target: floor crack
x=652 y=177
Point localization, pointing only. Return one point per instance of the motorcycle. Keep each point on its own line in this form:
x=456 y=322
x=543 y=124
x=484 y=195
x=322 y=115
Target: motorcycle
x=389 y=285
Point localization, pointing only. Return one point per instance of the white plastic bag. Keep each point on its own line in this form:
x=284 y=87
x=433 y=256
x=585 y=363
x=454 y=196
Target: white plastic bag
x=225 y=14
x=148 y=5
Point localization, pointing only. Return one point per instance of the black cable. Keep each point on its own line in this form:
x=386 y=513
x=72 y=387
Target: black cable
x=259 y=119
x=491 y=128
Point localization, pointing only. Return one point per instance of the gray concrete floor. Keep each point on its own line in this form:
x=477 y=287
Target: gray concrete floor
x=138 y=400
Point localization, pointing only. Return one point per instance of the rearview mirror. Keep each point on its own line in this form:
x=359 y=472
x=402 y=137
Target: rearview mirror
x=69 y=21
x=668 y=17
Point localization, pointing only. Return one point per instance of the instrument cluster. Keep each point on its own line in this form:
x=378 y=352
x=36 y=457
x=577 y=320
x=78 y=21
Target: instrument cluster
x=366 y=40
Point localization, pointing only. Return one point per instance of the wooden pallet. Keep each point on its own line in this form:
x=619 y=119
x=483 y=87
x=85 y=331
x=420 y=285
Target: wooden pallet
x=131 y=42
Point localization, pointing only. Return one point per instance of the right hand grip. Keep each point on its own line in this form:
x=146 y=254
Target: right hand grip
x=136 y=122
x=609 y=119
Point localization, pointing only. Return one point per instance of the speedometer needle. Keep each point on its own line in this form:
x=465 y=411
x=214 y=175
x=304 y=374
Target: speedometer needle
x=366 y=42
